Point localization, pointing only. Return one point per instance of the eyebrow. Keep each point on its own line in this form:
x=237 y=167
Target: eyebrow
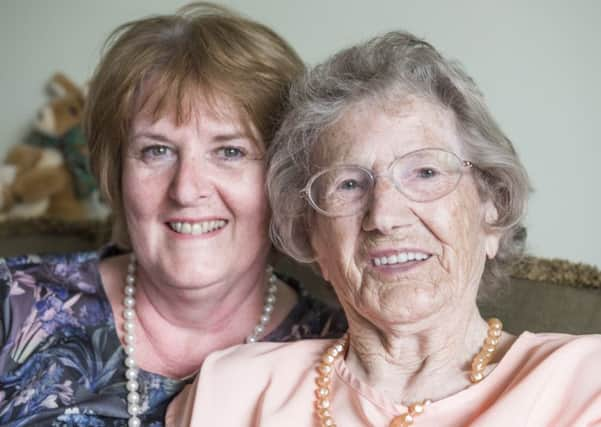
x=230 y=137
x=217 y=139
x=151 y=135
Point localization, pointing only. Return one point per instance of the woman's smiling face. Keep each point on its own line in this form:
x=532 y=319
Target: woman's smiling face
x=194 y=196
x=402 y=261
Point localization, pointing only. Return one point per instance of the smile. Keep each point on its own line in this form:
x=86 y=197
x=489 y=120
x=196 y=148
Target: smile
x=400 y=258
x=196 y=227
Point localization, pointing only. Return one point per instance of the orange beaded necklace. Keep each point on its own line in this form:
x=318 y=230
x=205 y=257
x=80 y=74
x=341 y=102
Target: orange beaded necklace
x=325 y=368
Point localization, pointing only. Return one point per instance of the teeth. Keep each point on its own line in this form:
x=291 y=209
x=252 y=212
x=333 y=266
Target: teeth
x=196 y=227
x=400 y=258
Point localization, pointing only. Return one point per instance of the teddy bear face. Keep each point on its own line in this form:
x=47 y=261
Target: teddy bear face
x=64 y=111
x=56 y=118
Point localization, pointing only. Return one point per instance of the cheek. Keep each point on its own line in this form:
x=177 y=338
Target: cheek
x=447 y=221
x=251 y=214
x=247 y=199
x=142 y=192
x=465 y=215
x=467 y=237
x=462 y=221
x=458 y=224
x=142 y=187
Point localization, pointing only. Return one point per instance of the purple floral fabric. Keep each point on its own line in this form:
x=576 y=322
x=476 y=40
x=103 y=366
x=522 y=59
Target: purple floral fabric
x=61 y=362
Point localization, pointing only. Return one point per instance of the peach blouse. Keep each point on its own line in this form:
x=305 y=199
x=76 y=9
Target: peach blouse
x=543 y=380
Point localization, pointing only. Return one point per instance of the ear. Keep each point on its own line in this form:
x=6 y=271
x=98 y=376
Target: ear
x=492 y=234
x=56 y=88
x=61 y=86
x=491 y=214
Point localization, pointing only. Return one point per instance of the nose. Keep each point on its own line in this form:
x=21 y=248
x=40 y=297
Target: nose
x=388 y=209
x=191 y=181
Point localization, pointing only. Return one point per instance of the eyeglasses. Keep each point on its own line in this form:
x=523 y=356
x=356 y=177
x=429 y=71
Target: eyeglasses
x=422 y=176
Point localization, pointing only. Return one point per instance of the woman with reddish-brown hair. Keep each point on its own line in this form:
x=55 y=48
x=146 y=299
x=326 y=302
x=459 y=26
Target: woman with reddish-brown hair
x=180 y=112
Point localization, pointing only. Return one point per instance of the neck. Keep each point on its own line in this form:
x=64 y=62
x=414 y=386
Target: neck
x=429 y=359
x=224 y=308
x=177 y=339
x=177 y=328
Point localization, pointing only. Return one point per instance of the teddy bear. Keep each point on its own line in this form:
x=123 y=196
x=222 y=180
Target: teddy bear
x=48 y=175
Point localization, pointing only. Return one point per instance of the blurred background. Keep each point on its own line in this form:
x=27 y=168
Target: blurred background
x=538 y=63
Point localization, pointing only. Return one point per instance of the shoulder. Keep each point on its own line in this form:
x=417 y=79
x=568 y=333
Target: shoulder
x=76 y=271
x=564 y=358
x=548 y=377
x=253 y=381
x=49 y=291
x=259 y=366
x=56 y=318
x=34 y=259
x=547 y=344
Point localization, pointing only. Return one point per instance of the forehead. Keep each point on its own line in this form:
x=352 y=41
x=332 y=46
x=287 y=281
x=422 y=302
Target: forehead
x=182 y=100
x=373 y=128
x=197 y=106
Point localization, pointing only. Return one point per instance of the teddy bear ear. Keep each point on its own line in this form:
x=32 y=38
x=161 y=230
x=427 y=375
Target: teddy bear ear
x=55 y=88
x=60 y=86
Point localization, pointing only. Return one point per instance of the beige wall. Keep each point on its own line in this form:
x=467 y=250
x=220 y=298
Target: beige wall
x=538 y=62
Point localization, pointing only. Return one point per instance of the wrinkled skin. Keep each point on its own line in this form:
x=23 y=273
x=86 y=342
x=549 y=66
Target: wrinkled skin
x=452 y=229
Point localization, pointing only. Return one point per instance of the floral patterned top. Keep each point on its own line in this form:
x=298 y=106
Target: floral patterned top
x=61 y=362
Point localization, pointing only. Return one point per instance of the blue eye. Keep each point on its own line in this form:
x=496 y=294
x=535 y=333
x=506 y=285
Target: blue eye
x=426 y=173
x=155 y=152
x=349 y=184
x=230 y=153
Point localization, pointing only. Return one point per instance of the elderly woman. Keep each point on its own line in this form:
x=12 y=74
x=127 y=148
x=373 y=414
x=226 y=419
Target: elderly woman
x=390 y=173
x=180 y=112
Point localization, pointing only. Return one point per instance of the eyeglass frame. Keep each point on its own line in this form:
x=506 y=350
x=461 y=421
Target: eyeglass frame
x=305 y=192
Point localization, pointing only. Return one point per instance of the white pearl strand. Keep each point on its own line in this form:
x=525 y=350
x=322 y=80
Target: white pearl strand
x=129 y=312
x=268 y=306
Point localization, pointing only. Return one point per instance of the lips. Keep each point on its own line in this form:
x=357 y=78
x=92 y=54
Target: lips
x=401 y=257
x=200 y=227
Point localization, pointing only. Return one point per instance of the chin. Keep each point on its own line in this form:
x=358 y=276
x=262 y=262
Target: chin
x=410 y=305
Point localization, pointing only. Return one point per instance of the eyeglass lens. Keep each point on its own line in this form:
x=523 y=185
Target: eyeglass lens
x=423 y=175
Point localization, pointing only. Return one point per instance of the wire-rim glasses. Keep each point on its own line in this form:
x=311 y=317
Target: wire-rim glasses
x=422 y=175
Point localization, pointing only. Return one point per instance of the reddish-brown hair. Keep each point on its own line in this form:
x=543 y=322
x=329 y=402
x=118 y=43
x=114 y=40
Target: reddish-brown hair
x=203 y=50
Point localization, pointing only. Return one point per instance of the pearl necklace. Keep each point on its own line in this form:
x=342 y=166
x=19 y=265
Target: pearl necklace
x=325 y=368
x=129 y=302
